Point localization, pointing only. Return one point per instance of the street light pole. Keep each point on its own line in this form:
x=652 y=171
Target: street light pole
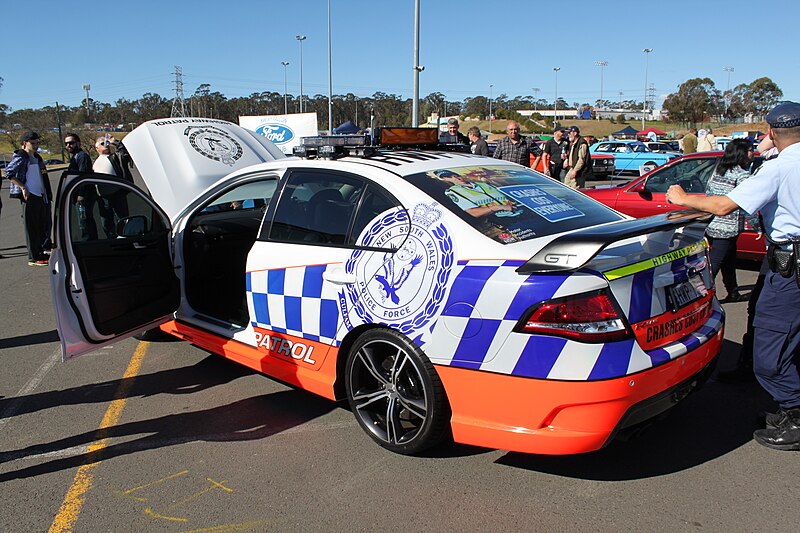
x=646 y=62
x=728 y=95
x=285 y=100
x=417 y=69
x=330 y=75
x=535 y=97
x=602 y=64
x=301 y=38
x=490 y=108
x=555 y=102
x=87 y=88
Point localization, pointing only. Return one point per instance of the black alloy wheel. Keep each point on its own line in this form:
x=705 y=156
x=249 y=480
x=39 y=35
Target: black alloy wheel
x=395 y=392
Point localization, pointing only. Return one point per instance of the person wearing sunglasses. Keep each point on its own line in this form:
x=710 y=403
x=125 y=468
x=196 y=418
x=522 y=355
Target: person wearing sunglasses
x=79 y=161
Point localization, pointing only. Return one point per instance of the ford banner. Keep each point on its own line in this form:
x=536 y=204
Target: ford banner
x=283 y=130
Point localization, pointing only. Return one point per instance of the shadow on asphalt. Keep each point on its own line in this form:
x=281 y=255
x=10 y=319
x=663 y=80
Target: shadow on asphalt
x=249 y=419
x=27 y=340
x=708 y=424
x=210 y=372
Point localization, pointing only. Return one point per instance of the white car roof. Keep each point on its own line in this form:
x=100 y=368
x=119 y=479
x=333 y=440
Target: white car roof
x=178 y=158
x=408 y=162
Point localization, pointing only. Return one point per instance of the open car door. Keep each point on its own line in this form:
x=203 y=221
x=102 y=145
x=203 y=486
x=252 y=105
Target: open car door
x=112 y=272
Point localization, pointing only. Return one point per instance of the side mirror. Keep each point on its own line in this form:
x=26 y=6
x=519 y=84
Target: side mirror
x=639 y=187
x=133 y=226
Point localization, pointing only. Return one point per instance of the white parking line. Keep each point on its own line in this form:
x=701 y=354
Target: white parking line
x=13 y=406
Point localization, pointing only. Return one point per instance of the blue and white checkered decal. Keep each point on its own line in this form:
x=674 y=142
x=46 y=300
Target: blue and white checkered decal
x=294 y=301
x=487 y=300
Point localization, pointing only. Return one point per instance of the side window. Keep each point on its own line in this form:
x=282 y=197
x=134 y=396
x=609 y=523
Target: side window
x=621 y=149
x=692 y=175
x=316 y=207
x=253 y=197
x=106 y=211
x=374 y=203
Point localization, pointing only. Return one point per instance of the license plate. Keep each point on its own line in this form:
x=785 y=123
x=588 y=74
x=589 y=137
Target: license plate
x=686 y=292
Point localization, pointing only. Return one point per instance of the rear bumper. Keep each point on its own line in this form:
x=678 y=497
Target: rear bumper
x=567 y=417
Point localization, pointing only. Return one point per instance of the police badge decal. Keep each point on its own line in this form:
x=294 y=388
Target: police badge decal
x=214 y=143
x=404 y=289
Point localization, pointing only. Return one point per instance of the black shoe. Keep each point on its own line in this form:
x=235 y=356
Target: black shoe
x=784 y=439
x=735 y=296
x=740 y=374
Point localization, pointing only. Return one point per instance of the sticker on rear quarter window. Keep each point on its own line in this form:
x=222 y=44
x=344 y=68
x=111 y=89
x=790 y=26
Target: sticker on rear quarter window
x=542 y=203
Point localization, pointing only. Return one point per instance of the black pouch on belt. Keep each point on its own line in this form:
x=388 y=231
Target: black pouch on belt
x=780 y=260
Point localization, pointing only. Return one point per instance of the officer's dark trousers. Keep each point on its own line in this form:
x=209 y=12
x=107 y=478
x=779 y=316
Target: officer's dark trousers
x=777 y=339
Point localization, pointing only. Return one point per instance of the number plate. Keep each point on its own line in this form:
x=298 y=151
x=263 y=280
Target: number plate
x=686 y=292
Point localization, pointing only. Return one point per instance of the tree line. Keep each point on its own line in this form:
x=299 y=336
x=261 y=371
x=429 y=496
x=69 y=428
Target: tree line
x=695 y=101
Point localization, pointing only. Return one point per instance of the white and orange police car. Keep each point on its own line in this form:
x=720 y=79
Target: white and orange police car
x=443 y=294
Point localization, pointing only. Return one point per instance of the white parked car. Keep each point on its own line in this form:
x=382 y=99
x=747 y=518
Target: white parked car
x=442 y=294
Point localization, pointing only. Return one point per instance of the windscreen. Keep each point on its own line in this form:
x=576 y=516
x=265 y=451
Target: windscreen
x=511 y=204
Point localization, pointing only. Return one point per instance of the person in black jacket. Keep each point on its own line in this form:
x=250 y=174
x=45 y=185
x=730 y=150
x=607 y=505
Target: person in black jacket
x=79 y=161
x=476 y=143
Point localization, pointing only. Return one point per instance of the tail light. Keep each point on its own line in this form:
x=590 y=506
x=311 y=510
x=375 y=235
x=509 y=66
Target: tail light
x=590 y=317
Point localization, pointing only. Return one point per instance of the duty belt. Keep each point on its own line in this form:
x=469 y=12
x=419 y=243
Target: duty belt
x=783 y=257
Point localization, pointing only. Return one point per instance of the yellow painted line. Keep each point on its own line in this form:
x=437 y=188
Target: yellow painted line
x=146 y=485
x=214 y=485
x=76 y=495
x=647 y=264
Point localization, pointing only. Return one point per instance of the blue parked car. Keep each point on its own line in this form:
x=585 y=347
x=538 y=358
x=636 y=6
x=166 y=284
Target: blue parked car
x=630 y=155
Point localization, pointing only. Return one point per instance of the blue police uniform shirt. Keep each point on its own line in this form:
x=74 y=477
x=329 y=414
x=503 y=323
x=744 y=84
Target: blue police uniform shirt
x=775 y=191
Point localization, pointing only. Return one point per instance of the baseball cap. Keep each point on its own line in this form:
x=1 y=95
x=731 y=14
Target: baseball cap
x=576 y=129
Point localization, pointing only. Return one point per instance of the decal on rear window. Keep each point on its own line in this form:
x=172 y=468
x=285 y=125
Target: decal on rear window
x=511 y=204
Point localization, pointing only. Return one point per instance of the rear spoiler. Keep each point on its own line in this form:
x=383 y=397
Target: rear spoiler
x=573 y=250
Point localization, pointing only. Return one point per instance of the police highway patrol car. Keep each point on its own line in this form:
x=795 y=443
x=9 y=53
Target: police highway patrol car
x=445 y=295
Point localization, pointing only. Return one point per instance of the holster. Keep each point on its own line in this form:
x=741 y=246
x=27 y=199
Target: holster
x=780 y=260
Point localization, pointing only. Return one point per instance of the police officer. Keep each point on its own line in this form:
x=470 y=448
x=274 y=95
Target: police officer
x=773 y=190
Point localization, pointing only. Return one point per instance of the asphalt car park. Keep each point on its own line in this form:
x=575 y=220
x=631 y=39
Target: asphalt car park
x=192 y=441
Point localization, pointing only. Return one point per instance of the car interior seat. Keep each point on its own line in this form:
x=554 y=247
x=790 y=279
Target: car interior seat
x=327 y=209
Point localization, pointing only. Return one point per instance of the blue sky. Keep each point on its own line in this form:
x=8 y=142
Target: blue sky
x=125 y=49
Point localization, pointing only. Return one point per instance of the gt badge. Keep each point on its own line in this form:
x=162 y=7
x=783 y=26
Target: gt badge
x=214 y=143
x=403 y=289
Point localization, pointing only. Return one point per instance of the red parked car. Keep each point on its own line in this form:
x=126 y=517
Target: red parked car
x=646 y=195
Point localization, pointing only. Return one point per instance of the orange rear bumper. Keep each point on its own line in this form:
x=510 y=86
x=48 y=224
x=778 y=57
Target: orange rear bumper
x=560 y=417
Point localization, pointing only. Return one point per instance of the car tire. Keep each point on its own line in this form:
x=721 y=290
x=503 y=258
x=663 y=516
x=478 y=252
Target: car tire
x=395 y=393
x=652 y=163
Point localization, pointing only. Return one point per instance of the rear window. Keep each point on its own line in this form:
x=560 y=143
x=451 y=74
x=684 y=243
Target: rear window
x=511 y=204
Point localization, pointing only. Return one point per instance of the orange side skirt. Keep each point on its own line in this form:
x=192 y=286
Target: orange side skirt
x=319 y=381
